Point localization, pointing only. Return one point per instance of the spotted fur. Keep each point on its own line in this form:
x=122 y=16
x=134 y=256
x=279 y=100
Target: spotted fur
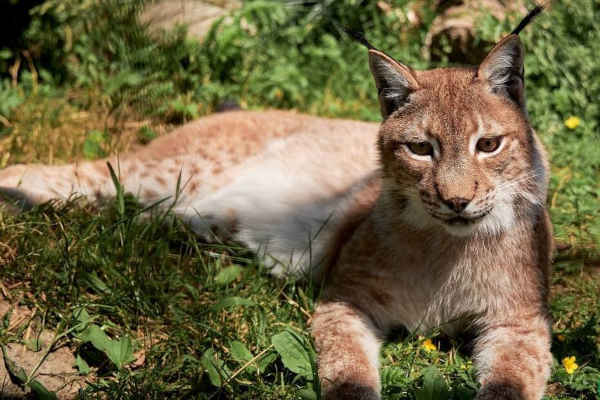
x=416 y=223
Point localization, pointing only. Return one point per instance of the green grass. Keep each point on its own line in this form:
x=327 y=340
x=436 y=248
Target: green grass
x=198 y=313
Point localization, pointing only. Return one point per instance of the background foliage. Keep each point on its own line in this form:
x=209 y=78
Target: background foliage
x=83 y=78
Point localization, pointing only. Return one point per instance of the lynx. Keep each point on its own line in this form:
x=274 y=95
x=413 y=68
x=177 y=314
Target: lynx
x=434 y=219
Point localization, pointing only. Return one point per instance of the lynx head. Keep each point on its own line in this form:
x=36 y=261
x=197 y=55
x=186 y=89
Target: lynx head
x=456 y=146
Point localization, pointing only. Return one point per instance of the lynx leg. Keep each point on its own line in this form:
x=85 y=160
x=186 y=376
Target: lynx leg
x=149 y=181
x=348 y=346
x=513 y=358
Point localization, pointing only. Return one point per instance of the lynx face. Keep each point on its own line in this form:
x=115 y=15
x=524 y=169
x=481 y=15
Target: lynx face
x=456 y=147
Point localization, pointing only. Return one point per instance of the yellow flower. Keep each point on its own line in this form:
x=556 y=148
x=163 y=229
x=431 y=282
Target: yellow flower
x=572 y=122
x=561 y=338
x=570 y=364
x=428 y=345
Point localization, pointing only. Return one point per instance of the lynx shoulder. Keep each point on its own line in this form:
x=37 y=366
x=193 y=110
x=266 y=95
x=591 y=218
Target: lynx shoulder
x=434 y=219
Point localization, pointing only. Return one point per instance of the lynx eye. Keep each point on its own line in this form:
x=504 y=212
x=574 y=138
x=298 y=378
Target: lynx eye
x=420 y=148
x=489 y=145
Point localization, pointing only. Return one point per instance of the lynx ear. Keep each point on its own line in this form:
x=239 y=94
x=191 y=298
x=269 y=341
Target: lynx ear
x=502 y=70
x=394 y=81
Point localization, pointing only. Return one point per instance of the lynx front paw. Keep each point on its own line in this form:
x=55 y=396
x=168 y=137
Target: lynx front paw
x=351 y=391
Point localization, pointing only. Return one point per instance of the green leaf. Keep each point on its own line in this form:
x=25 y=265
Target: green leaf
x=82 y=365
x=228 y=275
x=215 y=368
x=434 y=386
x=265 y=361
x=120 y=352
x=463 y=392
x=120 y=197
x=82 y=316
x=92 y=146
x=293 y=352
x=232 y=301
x=241 y=354
x=308 y=393
x=41 y=392
x=82 y=320
x=95 y=336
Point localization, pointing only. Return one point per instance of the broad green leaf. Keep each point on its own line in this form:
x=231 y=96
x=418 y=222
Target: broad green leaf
x=265 y=361
x=82 y=365
x=293 y=352
x=120 y=352
x=190 y=359
x=215 y=368
x=434 y=386
x=308 y=393
x=228 y=275
x=41 y=392
x=463 y=392
x=240 y=353
x=232 y=301
x=82 y=319
x=95 y=336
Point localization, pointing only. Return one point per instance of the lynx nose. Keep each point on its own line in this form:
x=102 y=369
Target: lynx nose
x=457 y=204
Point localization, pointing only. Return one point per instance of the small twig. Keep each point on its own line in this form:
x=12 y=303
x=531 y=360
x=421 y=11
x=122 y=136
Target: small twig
x=294 y=303
x=243 y=367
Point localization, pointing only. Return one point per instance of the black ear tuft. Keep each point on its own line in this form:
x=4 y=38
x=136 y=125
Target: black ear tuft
x=502 y=70
x=528 y=18
x=357 y=37
x=395 y=81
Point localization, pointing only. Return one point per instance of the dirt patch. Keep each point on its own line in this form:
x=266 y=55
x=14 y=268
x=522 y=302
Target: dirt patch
x=56 y=373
